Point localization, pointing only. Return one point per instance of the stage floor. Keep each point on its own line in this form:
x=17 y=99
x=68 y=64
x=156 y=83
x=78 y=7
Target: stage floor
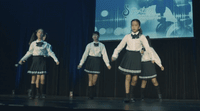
x=79 y=103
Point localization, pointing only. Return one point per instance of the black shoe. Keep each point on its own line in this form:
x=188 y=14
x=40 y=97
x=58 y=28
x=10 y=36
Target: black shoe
x=126 y=100
x=132 y=100
x=160 y=97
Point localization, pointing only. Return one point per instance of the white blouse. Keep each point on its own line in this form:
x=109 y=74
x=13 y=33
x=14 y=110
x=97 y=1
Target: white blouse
x=146 y=57
x=35 y=50
x=95 y=51
x=132 y=45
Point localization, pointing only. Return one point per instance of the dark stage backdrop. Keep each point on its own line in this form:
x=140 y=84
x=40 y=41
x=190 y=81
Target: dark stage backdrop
x=70 y=25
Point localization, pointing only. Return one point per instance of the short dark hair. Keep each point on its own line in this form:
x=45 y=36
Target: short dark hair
x=96 y=32
x=47 y=36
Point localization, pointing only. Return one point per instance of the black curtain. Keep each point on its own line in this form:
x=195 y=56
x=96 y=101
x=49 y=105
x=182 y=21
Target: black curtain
x=70 y=25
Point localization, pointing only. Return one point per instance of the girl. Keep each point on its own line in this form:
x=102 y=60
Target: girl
x=39 y=77
x=38 y=49
x=131 y=62
x=93 y=51
x=149 y=72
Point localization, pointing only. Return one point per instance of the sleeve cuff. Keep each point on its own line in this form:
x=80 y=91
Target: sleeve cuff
x=80 y=64
x=107 y=65
x=160 y=65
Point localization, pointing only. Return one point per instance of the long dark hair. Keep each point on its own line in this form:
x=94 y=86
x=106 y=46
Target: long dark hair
x=47 y=37
x=34 y=36
x=149 y=40
x=140 y=30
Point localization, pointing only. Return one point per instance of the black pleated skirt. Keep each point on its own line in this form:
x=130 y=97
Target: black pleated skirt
x=148 y=70
x=38 y=65
x=93 y=65
x=131 y=63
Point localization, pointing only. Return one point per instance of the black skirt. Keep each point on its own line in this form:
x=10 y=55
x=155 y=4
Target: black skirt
x=148 y=70
x=38 y=65
x=93 y=65
x=131 y=63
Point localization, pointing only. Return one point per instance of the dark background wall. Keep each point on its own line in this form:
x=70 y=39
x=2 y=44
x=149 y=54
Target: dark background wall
x=70 y=25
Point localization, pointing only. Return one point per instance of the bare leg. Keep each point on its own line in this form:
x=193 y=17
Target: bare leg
x=33 y=78
x=154 y=81
x=144 y=82
x=134 y=80
x=42 y=79
x=90 y=80
x=94 y=79
x=127 y=83
x=38 y=81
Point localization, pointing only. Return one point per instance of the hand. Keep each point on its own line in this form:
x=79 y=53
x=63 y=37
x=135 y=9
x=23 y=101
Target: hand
x=109 y=67
x=162 y=68
x=142 y=52
x=153 y=61
x=79 y=66
x=57 y=63
x=21 y=62
x=113 y=59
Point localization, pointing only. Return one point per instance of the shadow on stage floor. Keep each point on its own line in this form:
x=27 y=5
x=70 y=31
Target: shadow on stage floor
x=22 y=102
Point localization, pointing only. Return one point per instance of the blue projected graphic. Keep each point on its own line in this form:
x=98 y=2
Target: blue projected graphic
x=159 y=18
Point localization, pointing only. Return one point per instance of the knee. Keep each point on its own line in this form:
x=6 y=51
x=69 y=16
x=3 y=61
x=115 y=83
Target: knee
x=144 y=82
x=37 y=80
x=154 y=81
x=94 y=83
x=33 y=81
x=128 y=79
x=90 y=81
x=42 y=81
x=134 y=80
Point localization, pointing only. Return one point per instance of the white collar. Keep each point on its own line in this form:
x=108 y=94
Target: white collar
x=39 y=41
x=135 y=33
x=95 y=42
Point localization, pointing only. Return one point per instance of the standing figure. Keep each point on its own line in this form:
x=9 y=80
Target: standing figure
x=93 y=53
x=149 y=71
x=38 y=49
x=131 y=62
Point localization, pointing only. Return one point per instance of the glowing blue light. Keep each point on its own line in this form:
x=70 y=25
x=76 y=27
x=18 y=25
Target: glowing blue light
x=104 y=13
x=102 y=31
